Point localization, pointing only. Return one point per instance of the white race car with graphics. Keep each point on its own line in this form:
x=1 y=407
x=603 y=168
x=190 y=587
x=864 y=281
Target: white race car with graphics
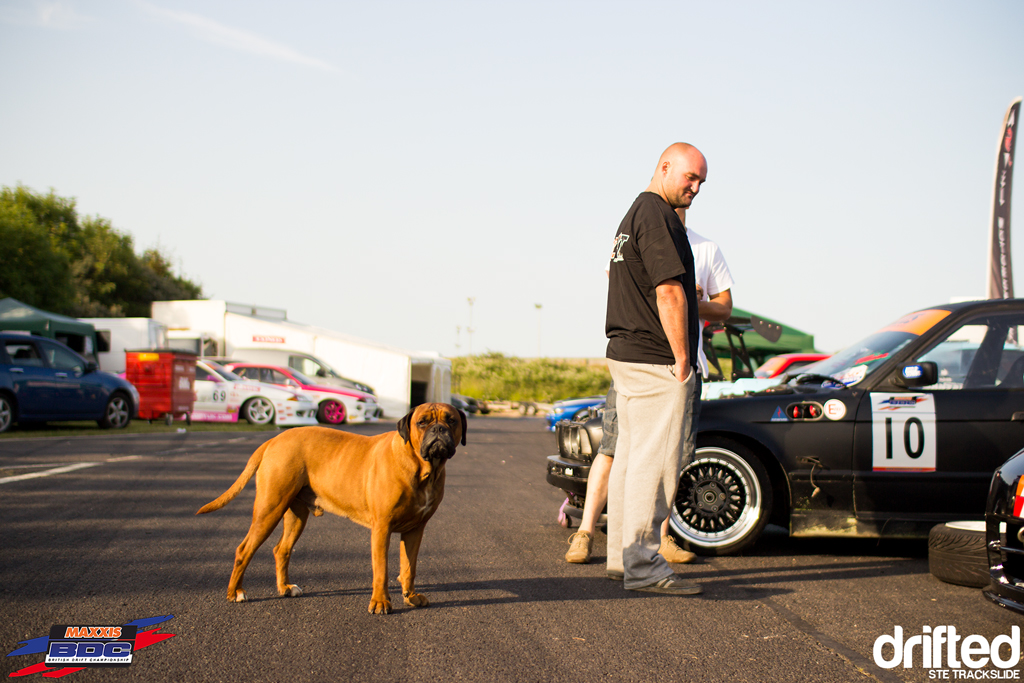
x=222 y=396
x=336 y=405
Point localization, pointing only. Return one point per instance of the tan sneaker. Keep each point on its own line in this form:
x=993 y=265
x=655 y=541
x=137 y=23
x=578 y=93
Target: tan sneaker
x=673 y=553
x=579 y=547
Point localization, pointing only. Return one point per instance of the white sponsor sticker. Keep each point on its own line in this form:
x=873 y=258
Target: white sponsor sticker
x=853 y=375
x=903 y=432
x=835 y=409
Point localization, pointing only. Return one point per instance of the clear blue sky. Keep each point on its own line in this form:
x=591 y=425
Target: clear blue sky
x=370 y=166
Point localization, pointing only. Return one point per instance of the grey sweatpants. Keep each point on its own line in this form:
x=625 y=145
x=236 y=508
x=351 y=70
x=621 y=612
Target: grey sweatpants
x=656 y=439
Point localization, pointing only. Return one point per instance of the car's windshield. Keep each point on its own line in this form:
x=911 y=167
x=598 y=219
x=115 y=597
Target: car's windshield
x=856 y=362
x=299 y=377
x=309 y=367
x=224 y=372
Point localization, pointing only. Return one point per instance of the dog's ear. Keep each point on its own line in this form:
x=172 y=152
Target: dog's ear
x=462 y=415
x=403 y=426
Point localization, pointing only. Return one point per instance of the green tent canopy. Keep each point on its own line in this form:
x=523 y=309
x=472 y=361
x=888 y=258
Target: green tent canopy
x=760 y=349
x=20 y=317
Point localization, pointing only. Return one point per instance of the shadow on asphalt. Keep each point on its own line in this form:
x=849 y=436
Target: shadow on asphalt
x=719 y=584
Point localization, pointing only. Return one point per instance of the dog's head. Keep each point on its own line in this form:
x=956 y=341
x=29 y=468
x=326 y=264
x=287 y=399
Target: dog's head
x=433 y=430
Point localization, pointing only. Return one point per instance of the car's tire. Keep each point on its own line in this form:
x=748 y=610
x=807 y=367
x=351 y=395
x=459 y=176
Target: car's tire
x=258 y=411
x=957 y=554
x=6 y=413
x=118 y=412
x=331 y=412
x=724 y=499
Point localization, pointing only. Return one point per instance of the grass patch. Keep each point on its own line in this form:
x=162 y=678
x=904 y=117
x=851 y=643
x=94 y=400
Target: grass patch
x=85 y=428
x=494 y=376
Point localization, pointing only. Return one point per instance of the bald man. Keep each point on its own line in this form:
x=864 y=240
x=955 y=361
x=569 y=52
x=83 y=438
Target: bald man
x=652 y=329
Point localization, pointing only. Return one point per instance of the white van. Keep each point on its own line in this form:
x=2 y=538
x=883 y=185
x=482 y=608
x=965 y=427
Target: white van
x=116 y=335
x=306 y=363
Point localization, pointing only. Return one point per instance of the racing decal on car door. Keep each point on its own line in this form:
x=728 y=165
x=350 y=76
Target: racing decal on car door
x=903 y=432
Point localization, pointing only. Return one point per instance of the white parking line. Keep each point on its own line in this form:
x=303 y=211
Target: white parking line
x=126 y=457
x=46 y=473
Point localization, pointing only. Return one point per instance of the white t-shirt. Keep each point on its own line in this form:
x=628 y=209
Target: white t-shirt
x=712 y=274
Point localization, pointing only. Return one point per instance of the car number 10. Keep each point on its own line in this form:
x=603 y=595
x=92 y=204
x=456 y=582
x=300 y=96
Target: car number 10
x=903 y=432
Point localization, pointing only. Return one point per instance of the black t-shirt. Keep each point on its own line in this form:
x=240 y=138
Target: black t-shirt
x=650 y=247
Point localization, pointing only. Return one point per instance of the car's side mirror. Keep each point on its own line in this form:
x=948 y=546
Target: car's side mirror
x=90 y=366
x=917 y=374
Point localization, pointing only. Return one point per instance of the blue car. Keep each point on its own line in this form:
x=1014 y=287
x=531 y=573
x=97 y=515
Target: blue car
x=572 y=408
x=42 y=380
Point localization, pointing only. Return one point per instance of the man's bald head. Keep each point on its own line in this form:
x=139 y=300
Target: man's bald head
x=681 y=171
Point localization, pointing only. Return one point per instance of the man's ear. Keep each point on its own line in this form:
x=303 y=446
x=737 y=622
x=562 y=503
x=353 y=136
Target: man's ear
x=464 y=427
x=403 y=427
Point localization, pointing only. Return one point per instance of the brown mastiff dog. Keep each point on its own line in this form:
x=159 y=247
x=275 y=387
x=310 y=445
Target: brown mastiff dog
x=392 y=482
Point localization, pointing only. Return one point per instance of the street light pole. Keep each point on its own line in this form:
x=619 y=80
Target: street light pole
x=469 y=330
x=538 y=307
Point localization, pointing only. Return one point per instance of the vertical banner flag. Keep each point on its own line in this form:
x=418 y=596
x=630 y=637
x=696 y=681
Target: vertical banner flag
x=1000 y=271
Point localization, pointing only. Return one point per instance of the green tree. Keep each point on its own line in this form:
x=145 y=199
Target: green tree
x=52 y=259
x=32 y=268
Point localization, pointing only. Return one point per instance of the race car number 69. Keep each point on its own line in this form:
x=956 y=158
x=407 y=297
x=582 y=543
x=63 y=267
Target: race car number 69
x=903 y=432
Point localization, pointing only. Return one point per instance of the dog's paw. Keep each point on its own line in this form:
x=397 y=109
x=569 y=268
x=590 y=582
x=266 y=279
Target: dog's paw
x=416 y=600
x=380 y=606
x=239 y=596
x=291 y=591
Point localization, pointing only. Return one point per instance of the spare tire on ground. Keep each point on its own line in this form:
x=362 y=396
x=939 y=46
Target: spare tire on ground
x=956 y=553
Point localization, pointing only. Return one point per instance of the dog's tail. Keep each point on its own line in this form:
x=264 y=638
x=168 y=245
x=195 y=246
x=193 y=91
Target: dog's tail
x=236 y=488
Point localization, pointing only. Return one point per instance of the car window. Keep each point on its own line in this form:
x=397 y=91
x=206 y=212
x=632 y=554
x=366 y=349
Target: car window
x=278 y=377
x=202 y=375
x=983 y=353
x=23 y=353
x=303 y=365
x=248 y=373
x=60 y=358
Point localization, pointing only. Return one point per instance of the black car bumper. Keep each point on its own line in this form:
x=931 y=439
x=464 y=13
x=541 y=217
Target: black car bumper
x=568 y=475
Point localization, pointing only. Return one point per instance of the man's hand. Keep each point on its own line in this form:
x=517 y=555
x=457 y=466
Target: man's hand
x=682 y=370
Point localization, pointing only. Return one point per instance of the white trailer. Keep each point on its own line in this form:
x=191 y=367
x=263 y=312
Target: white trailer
x=401 y=378
x=116 y=335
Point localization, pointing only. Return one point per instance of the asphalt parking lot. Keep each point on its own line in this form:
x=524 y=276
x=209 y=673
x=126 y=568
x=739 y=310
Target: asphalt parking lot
x=104 y=533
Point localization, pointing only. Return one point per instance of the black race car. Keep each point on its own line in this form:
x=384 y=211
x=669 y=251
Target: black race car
x=889 y=437
x=1004 y=535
